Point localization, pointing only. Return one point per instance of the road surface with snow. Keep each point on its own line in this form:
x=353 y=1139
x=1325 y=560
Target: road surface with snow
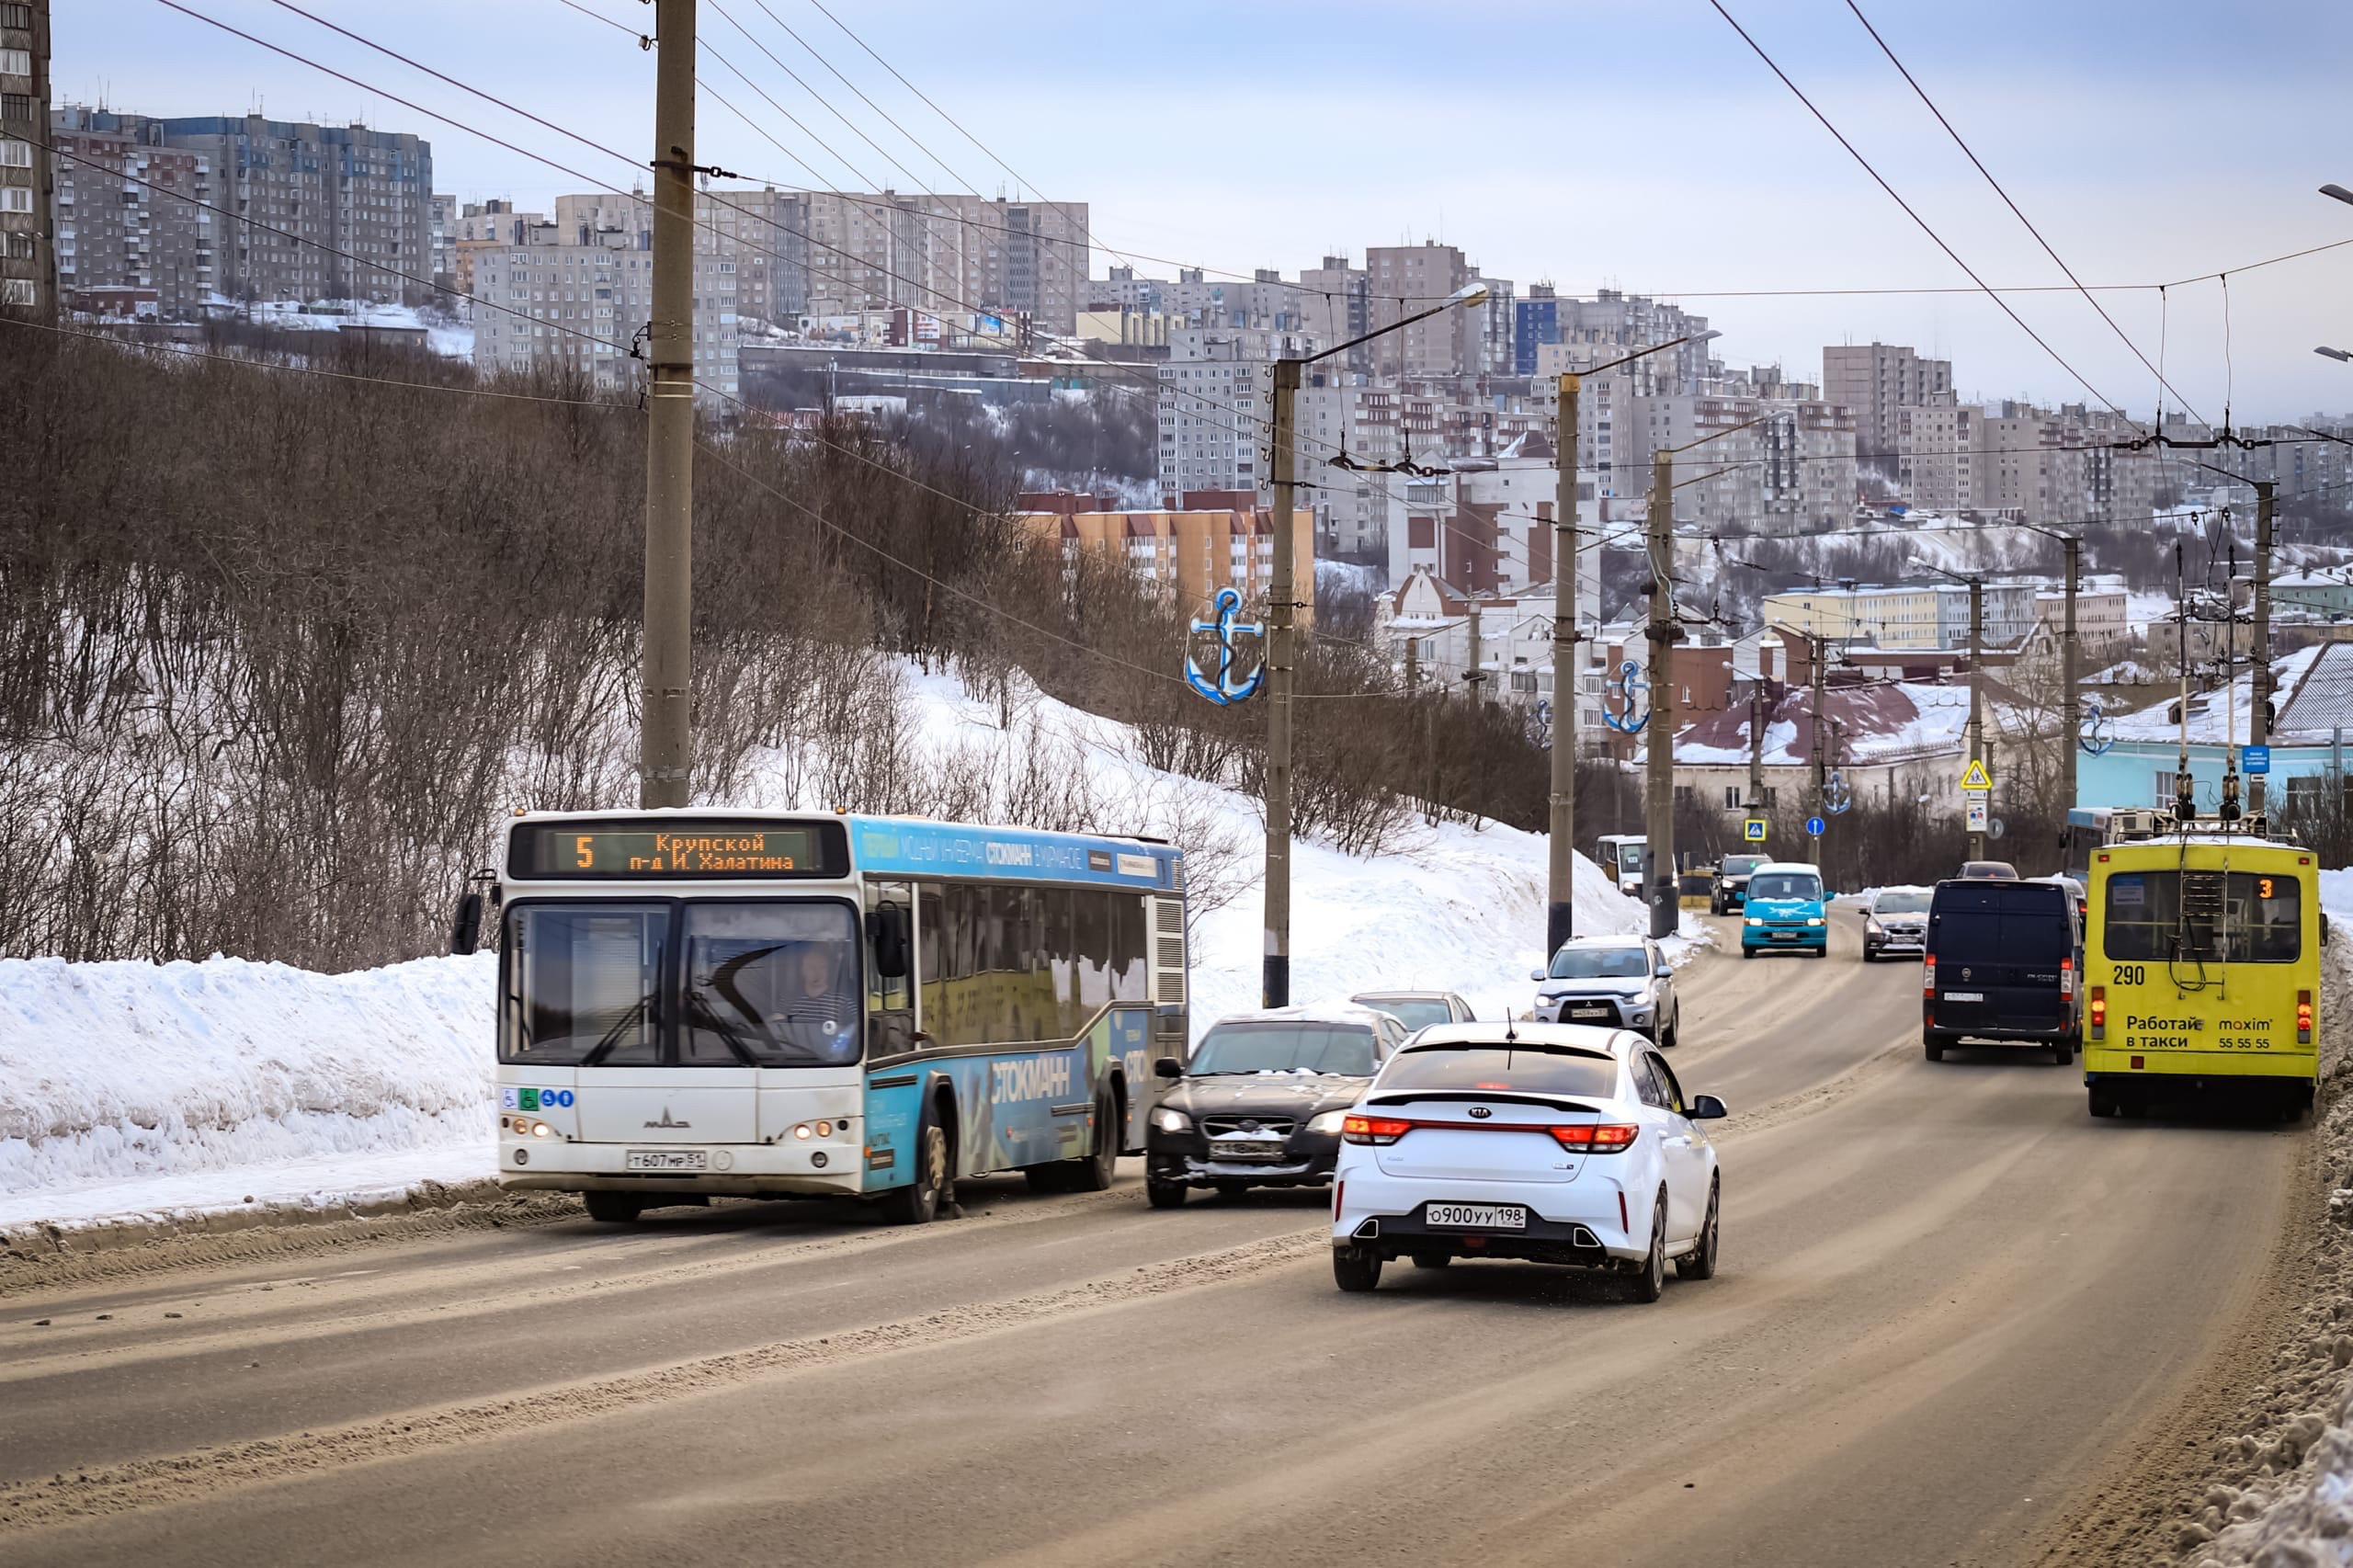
x=1913 y=1354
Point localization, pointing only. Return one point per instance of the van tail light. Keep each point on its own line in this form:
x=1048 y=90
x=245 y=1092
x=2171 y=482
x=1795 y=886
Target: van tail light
x=2304 y=1017
x=2099 y=1012
x=1598 y=1138
x=2067 y=979
x=1928 y=976
x=1374 y=1128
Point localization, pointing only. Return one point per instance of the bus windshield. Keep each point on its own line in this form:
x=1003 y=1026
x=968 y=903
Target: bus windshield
x=760 y=983
x=1275 y=1047
x=2216 y=916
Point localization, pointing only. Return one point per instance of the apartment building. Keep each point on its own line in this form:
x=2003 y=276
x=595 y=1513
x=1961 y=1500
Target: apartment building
x=1402 y=280
x=440 y=238
x=1205 y=540
x=1938 y=451
x=310 y=211
x=28 y=255
x=1877 y=380
x=578 y=307
x=492 y=225
x=1906 y=616
x=1215 y=392
x=134 y=222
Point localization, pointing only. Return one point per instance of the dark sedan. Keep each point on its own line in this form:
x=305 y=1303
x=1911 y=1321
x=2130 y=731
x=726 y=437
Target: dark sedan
x=1262 y=1102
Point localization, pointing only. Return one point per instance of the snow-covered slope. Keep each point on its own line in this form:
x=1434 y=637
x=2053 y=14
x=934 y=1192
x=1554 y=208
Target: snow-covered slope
x=130 y=1088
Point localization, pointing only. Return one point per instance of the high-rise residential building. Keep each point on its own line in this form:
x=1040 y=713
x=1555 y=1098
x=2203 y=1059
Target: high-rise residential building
x=1403 y=280
x=482 y=226
x=134 y=222
x=1537 y=322
x=1938 y=450
x=1214 y=389
x=1877 y=380
x=309 y=211
x=28 y=252
x=553 y=302
x=441 y=239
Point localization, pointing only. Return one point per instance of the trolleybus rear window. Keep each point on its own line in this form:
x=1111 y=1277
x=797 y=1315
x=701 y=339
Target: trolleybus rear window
x=2215 y=916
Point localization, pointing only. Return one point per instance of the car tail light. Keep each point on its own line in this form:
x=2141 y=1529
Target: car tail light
x=1599 y=1138
x=2067 y=979
x=1374 y=1128
x=2304 y=1017
x=2099 y=1012
x=1929 y=975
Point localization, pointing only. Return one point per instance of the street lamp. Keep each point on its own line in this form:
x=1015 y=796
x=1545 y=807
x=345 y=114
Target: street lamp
x=2332 y=354
x=2337 y=191
x=1560 y=909
x=1281 y=588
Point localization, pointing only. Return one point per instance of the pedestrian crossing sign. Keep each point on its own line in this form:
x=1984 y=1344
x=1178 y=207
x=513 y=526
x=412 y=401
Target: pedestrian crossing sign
x=1754 y=830
x=1974 y=776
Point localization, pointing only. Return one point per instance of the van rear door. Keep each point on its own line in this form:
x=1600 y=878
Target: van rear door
x=2002 y=949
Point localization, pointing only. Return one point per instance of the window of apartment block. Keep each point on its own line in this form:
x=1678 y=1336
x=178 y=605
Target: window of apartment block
x=17 y=15
x=15 y=62
x=15 y=199
x=16 y=291
x=16 y=106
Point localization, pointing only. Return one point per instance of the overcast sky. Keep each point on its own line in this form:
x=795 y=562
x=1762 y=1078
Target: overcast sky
x=1636 y=144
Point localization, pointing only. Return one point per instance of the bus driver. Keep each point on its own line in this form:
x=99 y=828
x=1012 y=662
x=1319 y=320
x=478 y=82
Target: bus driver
x=817 y=1015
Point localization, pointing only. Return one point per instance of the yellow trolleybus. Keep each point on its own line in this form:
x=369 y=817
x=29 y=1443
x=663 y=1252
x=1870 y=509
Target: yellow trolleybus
x=2203 y=960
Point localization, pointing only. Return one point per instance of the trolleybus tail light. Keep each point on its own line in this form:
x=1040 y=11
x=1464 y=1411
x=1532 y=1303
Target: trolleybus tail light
x=2099 y=1012
x=2304 y=1017
x=1599 y=1138
x=1374 y=1128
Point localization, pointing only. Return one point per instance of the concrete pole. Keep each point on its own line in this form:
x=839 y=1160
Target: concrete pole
x=1560 y=908
x=1282 y=589
x=667 y=708
x=1658 y=827
x=1976 y=696
x=1475 y=675
x=1818 y=650
x=2259 y=732
x=1756 y=741
x=2070 y=672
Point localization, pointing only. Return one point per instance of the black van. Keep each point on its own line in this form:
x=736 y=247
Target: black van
x=2004 y=962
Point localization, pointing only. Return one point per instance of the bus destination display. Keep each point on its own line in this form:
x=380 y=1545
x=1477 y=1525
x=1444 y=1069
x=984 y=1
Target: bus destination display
x=684 y=849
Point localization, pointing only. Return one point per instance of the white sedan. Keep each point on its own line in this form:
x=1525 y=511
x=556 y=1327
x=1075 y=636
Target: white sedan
x=1543 y=1143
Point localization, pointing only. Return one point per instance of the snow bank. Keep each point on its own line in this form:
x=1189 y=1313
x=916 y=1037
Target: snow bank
x=139 y=1089
x=114 y=1074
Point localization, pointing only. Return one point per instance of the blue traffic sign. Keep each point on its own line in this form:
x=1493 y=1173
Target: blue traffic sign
x=2255 y=759
x=1814 y=827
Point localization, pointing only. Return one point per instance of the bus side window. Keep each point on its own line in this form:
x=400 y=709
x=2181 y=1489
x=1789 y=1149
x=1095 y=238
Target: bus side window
x=931 y=958
x=890 y=1000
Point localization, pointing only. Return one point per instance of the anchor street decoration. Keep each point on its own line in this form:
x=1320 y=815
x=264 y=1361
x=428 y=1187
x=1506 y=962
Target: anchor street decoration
x=1838 y=795
x=2095 y=738
x=1226 y=688
x=1637 y=711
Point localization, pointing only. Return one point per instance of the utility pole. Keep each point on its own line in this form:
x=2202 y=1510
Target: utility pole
x=1476 y=674
x=1756 y=741
x=2259 y=732
x=665 y=702
x=1658 y=827
x=2070 y=672
x=1560 y=910
x=1413 y=666
x=1817 y=649
x=1282 y=587
x=1976 y=696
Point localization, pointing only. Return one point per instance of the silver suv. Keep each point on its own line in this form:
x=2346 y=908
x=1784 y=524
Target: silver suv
x=1895 y=921
x=1612 y=982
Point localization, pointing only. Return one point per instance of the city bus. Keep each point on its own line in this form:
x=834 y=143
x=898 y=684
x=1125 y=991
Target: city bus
x=2202 y=969
x=2090 y=828
x=786 y=1005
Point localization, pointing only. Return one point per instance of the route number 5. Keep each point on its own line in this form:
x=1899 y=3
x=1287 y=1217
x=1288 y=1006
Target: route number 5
x=580 y=847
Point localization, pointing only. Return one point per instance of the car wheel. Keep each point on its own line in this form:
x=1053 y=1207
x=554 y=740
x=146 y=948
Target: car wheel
x=1747 y=952
x=1672 y=1035
x=1354 y=1268
x=613 y=1208
x=916 y=1203
x=1934 y=1045
x=1651 y=1283
x=2063 y=1054
x=1163 y=1194
x=1432 y=1259
x=1699 y=1262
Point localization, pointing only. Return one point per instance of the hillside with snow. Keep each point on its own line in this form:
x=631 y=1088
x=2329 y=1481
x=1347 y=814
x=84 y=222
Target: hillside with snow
x=142 y=1090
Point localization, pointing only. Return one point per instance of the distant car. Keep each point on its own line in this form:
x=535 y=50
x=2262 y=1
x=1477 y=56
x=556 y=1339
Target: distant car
x=2075 y=891
x=1418 y=1009
x=1988 y=870
x=2002 y=965
x=1730 y=889
x=1541 y=1143
x=1787 y=911
x=1613 y=981
x=1260 y=1103
x=1895 y=921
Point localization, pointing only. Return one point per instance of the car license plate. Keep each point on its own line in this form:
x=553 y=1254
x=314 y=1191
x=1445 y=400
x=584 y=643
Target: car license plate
x=1589 y=1012
x=1260 y=1149
x=1785 y=936
x=1964 y=996
x=1475 y=1217
x=665 y=1160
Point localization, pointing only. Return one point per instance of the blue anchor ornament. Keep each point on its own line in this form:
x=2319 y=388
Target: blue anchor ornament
x=2092 y=734
x=1838 y=795
x=1225 y=688
x=1628 y=722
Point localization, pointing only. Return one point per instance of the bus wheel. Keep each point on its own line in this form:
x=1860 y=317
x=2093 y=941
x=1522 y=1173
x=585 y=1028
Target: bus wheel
x=1093 y=1173
x=916 y=1203
x=2103 y=1101
x=613 y=1208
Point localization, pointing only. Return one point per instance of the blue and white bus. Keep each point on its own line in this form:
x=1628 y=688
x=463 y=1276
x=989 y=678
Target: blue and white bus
x=785 y=1004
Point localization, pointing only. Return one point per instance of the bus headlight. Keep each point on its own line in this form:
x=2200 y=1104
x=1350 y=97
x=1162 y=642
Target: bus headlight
x=542 y=1130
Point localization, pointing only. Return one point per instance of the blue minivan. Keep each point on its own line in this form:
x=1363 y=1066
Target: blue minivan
x=1787 y=911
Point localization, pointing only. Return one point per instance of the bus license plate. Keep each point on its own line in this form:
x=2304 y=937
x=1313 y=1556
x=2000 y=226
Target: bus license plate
x=1476 y=1217
x=667 y=1160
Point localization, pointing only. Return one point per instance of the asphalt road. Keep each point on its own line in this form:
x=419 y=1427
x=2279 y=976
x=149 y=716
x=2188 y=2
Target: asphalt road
x=1949 y=1302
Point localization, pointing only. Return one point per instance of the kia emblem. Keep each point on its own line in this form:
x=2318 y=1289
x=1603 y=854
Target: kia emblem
x=1481 y=1112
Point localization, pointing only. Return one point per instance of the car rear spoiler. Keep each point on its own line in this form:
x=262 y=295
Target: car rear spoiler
x=1543 y=1102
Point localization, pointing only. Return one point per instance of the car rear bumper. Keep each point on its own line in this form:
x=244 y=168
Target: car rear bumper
x=2035 y=1034
x=2104 y=1062
x=1575 y=1222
